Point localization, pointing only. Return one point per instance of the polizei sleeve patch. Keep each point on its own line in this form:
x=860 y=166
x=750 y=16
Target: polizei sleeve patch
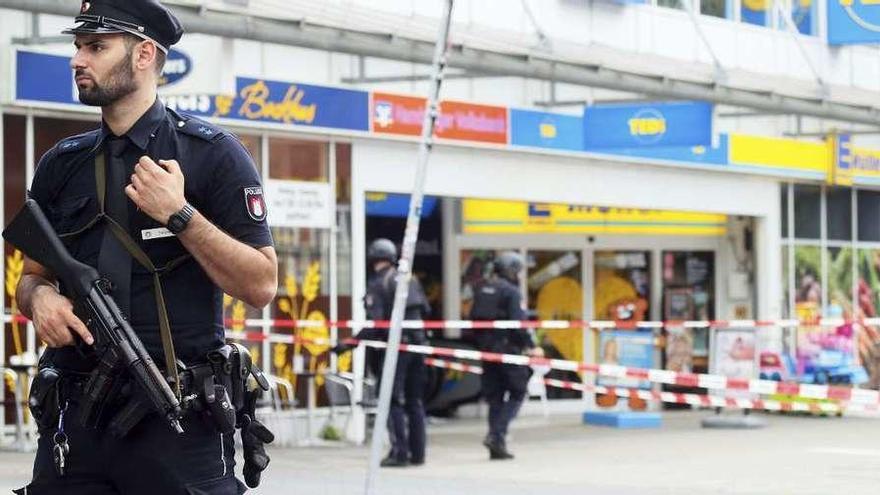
x=255 y=203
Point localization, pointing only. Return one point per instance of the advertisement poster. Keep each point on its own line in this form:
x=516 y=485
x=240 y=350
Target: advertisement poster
x=735 y=353
x=630 y=348
x=680 y=349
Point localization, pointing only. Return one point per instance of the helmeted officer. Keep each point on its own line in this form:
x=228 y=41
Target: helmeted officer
x=170 y=209
x=504 y=385
x=406 y=419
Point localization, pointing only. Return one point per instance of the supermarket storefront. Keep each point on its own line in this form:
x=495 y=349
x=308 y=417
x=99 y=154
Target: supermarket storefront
x=659 y=221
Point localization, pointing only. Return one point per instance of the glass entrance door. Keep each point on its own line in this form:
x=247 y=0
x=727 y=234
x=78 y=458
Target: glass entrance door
x=554 y=289
x=688 y=294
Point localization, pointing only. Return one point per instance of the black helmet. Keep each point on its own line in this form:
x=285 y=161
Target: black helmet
x=382 y=249
x=508 y=265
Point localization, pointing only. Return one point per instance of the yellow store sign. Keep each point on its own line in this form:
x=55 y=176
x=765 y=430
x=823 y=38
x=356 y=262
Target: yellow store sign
x=481 y=216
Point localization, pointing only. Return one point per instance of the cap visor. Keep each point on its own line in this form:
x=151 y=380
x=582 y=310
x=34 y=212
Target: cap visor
x=91 y=28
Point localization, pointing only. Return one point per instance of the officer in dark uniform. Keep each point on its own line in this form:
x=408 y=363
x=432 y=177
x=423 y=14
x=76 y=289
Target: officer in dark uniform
x=188 y=196
x=406 y=419
x=504 y=385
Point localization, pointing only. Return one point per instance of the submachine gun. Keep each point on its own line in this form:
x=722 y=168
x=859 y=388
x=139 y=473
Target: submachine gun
x=116 y=344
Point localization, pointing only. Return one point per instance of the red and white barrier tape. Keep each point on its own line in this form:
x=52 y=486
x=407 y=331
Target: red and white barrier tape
x=708 y=381
x=547 y=324
x=696 y=400
x=514 y=324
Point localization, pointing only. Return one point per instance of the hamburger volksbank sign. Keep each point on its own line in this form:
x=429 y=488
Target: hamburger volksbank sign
x=178 y=65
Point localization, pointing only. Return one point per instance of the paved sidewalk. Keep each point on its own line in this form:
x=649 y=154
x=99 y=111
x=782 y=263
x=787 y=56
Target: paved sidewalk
x=559 y=456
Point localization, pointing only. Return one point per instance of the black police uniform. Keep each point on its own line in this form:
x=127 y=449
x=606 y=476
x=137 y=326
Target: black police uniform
x=220 y=179
x=406 y=419
x=504 y=385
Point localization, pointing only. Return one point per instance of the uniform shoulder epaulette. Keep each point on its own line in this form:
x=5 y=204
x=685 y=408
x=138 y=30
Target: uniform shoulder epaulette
x=78 y=143
x=199 y=128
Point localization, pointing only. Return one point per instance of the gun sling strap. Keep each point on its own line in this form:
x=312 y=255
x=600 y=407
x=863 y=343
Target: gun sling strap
x=141 y=257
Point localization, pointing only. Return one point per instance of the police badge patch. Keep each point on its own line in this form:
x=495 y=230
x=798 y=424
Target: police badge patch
x=255 y=203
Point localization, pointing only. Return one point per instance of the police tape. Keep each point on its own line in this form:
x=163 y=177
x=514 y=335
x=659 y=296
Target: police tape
x=694 y=400
x=546 y=324
x=847 y=395
x=527 y=324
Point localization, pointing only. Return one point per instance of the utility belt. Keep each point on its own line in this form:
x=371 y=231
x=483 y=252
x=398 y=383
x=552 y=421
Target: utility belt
x=216 y=389
x=491 y=341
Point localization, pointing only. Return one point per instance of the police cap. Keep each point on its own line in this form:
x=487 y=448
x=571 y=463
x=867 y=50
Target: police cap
x=146 y=19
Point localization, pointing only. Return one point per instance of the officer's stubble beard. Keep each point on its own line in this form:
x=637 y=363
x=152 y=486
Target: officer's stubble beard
x=120 y=82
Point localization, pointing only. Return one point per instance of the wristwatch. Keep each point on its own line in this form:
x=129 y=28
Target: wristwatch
x=178 y=221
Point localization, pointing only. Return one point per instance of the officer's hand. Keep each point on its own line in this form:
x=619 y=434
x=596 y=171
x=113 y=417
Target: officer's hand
x=157 y=189
x=54 y=319
x=536 y=352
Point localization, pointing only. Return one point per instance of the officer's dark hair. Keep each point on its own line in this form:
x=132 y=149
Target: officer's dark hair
x=132 y=40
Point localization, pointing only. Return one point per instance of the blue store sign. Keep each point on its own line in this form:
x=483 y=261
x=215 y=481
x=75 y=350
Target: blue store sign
x=696 y=155
x=546 y=130
x=301 y=104
x=44 y=77
x=177 y=66
x=853 y=21
x=647 y=125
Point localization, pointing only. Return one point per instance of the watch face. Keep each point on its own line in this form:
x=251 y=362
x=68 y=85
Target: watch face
x=175 y=224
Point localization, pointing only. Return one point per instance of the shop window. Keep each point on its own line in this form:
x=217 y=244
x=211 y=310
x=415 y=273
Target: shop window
x=784 y=210
x=298 y=160
x=839 y=208
x=840 y=260
x=869 y=213
x=672 y=4
x=688 y=294
x=621 y=286
x=802 y=13
x=475 y=266
x=253 y=144
x=15 y=334
x=786 y=284
x=868 y=288
x=714 y=8
x=343 y=226
x=867 y=306
x=755 y=11
x=303 y=294
x=386 y=218
x=555 y=292
x=807 y=212
x=808 y=282
x=303 y=266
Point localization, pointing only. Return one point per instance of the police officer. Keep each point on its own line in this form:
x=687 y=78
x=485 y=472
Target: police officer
x=504 y=385
x=189 y=198
x=406 y=418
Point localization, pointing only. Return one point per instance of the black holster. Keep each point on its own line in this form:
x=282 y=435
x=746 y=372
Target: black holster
x=44 y=399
